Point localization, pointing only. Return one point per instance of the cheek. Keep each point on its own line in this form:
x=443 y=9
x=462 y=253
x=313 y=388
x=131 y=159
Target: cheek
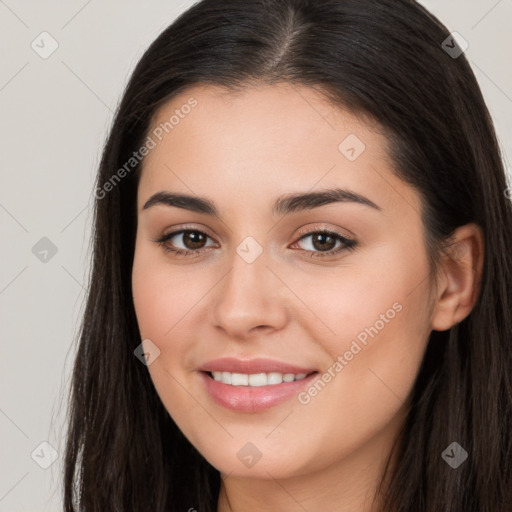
x=374 y=321
x=362 y=391
x=379 y=291
x=163 y=302
x=380 y=317
x=162 y=296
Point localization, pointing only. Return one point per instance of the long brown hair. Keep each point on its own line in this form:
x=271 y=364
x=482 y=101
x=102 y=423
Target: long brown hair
x=382 y=58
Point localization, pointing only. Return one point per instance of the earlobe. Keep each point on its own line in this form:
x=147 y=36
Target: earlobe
x=460 y=274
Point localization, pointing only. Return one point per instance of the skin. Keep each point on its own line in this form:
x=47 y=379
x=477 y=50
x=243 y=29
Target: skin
x=243 y=150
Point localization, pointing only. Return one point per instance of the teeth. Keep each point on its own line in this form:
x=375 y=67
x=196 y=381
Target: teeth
x=256 y=379
x=274 y=378
x=239 y=379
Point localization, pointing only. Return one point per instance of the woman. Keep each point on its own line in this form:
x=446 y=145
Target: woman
x=230 y=360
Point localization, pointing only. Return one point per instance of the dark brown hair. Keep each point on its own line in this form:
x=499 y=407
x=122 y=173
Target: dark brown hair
x=380 y=58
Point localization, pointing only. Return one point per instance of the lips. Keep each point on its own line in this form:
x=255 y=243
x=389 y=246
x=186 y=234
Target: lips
x=252 y=366
x=249 y=394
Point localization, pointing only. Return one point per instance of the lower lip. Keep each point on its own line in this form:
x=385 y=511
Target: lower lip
x=253 y=398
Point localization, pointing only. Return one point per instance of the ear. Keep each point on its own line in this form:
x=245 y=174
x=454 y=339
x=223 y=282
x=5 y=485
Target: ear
x=459 y=277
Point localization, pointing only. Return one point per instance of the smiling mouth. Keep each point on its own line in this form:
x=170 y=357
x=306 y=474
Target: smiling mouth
x=256 y=379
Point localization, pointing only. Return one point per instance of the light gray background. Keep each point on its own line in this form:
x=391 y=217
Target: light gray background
x=55 y=115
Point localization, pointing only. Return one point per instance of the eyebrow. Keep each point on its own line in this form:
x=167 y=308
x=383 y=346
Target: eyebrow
x=284 y=205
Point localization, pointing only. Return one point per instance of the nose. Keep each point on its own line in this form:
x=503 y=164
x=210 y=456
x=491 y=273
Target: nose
x=249 y=300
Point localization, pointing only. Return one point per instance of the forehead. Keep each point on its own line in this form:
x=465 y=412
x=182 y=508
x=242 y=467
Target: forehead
x=260 y=116
x=264 y=140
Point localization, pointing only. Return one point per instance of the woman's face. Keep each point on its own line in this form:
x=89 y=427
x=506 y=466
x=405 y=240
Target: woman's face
x=258 y=288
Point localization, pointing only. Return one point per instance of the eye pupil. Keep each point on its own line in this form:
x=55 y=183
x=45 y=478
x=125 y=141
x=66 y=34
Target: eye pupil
x=321 y=237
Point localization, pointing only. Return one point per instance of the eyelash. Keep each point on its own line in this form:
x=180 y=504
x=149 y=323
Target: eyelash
x=348 y=244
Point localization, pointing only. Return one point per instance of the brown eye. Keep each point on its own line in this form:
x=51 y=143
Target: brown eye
x=191 y=241
x=323 y=243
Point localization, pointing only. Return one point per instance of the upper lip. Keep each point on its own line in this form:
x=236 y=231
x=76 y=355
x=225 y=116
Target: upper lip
x=251 y=366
